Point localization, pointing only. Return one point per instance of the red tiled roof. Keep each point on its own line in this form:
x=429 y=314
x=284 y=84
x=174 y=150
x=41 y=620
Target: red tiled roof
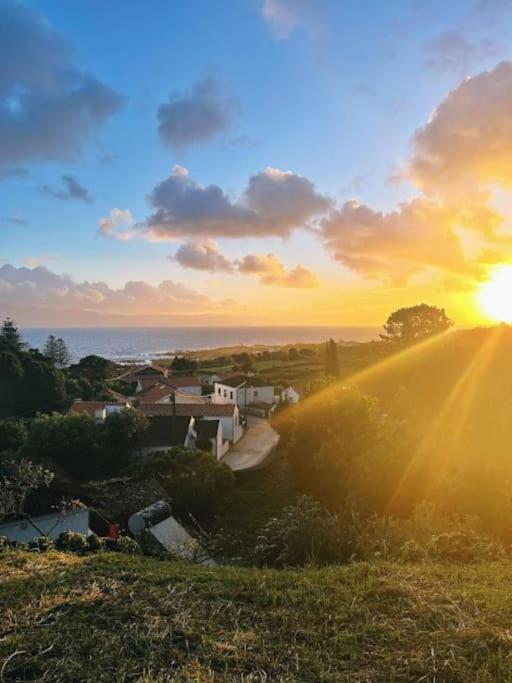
x=180 y=381
x=192 y=409
x=155 y=393
x=176 y=382
x=90 y=407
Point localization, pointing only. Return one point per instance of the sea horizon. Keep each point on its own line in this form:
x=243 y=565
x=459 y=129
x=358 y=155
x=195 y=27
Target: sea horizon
x=144 y=343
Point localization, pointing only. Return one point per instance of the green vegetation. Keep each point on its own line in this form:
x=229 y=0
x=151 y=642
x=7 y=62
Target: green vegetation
x=83 y=448
x=28 y=380
x=112 y=617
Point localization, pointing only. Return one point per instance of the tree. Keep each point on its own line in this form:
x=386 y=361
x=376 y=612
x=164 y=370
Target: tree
x=29 y=382
x=183 y=364
x=121 y=434
x=56 y=350
x=332 y=366
x=343 y=451
x=195 y=481
x=17 y=479
x=94 y=369
x=410 y=325
x=13 y=434
x=10 y=338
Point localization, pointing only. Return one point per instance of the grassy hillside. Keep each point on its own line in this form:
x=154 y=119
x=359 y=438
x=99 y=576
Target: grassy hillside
x=118 y=618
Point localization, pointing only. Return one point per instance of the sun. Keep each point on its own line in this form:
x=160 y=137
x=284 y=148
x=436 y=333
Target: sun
x=495 y=296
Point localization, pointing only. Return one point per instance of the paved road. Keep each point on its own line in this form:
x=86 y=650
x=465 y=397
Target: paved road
x=254 y=447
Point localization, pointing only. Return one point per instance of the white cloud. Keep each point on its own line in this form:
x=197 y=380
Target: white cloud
x=274 y=203
x=119 y=224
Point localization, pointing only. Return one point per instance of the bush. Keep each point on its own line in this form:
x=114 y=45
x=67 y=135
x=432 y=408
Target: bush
x=41 y=544
x=303 y=533
x=412 y=551
x=195 y=481
x=72 y=541
x=94 y=543
x=127 y=545
x=463 y=546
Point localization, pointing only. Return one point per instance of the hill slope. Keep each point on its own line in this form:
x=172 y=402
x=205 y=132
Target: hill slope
x=118 y=618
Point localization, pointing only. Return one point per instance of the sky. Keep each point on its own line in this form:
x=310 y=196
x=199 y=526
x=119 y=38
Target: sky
x=252 y=162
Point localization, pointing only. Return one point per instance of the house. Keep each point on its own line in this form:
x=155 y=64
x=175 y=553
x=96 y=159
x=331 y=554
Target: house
x=164 y=432
x=98 y=410
x=149 y=370
x=290 y=395
x=243 y=390
x=162 y=392
x=190 y=385
x=210 y=432
x=227 y=414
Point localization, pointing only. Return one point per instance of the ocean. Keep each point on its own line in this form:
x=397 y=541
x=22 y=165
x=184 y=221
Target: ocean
x=139 y=344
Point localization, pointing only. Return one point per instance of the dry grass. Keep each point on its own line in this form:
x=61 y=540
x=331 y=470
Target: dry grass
x=117 y=618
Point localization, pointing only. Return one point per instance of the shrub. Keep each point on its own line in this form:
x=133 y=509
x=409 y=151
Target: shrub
x=72 y=541
x=463 y=546
x=303 y=533
x=412 y=551
x=41 y=544
x=94 y=543
x=127 y=545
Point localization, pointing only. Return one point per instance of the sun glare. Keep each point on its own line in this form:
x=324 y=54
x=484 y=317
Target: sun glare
x=495 y=296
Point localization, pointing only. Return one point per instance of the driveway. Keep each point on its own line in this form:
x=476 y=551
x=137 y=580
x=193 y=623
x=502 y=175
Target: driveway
x=254 y=447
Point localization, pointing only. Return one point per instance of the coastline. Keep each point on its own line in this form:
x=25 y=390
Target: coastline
x=143 y=344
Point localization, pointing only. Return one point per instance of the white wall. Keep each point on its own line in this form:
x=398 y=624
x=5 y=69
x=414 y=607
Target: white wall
x=243 y=395
x=231 y=428
x=23 y=531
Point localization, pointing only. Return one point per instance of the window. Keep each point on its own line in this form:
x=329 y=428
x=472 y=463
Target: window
x=255 y=393
x=225 y=393
x=230 y=394
x=219 y=391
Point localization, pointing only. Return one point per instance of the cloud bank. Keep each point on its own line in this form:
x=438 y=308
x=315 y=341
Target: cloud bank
x=39 y=287
x=207 y=257
x=459 y=156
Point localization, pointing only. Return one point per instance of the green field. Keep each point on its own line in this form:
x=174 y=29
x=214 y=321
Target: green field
x=114 y=617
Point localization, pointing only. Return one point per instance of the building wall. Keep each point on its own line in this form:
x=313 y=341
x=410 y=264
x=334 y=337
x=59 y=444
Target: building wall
x=243 y=395
x=290 y=395
x=23 y=531
x=192 y=390
x=231 y=428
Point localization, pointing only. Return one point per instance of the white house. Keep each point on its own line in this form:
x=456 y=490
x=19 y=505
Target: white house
x=210 y=431
x=243 y=391
x=227 y=414
x=290 y=395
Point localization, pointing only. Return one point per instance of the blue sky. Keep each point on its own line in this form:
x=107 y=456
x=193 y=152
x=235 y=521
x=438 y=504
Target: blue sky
x=332 y=91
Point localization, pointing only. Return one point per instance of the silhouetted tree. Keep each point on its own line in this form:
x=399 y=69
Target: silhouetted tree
x=29 y=382
x=332 y=366
x=57 y=351
x=409 y=325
